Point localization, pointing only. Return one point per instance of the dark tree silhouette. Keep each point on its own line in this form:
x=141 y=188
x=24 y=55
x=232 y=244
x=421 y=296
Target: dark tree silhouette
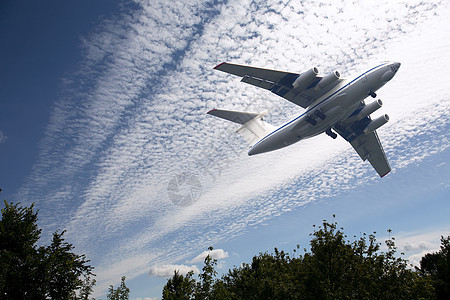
x=437 y=266
x=31 y=272
x=334 y=268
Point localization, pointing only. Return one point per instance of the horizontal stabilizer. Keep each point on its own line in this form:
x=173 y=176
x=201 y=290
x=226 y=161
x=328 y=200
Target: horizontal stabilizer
x=233 y=116
x=253 y=127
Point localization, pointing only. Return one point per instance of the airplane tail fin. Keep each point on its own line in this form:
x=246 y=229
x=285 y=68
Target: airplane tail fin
x=253 y=127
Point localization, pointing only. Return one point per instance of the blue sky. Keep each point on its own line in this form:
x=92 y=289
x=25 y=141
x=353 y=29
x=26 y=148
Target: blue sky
x=102 y=117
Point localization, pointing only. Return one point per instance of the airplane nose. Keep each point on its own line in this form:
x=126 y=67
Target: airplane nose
x=395 y=66
x=391 y=70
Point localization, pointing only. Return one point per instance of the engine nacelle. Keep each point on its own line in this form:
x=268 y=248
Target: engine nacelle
x=329 y=79
x=368 y=109
x=375 y=124
x=305 y=79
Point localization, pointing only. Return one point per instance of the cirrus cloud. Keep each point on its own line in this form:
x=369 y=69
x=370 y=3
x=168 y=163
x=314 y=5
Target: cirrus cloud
x=133 y=118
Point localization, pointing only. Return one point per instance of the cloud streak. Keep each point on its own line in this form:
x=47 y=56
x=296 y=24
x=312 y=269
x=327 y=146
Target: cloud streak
x=133 y=118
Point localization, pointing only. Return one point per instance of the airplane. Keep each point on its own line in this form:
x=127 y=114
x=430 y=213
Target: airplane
x=333 y=106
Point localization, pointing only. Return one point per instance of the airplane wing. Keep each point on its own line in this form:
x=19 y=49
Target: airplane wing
x=278 y=82
x=368 y=146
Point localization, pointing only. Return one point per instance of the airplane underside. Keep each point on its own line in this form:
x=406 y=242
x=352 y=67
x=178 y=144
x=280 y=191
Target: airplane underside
x=334 y=106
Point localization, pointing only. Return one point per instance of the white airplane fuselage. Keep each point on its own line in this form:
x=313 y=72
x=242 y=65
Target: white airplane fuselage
x=333 y=107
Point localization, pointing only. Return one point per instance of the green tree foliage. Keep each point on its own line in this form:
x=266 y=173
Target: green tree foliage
x=179 y=287
x=64 y=268
x=185 y=287
x=20 y=266
x=266 y=277
x=334 y=268
x=86 y=288
x=437 y=266
x=31 y=272
x=204 y=286
x=121 y=293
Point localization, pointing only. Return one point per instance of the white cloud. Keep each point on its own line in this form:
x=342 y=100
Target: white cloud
x=214 y=254
x=420 y=245
x=168 y=270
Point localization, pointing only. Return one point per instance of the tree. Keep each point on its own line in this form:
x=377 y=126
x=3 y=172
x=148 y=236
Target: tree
x=185 y=287
x=268 y=276
x=64 y=268
x=437 y=266
x=86 y=288
x=204 y=286
x=20 y=266
x=338 y=268
x=31 y=272
x=179 y=287
x=325 y=271
x=334 y=268
x=121 y=293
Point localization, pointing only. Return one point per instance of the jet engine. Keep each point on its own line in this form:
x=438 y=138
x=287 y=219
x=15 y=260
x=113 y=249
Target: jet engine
x=368 y=109
x=329 y=79
x=375 y=124
x=305 y=79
